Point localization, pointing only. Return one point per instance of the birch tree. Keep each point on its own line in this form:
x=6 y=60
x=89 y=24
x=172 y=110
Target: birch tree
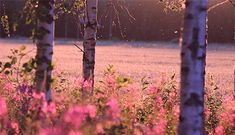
x=89 y=42
x=193 y=55
x=45 y=36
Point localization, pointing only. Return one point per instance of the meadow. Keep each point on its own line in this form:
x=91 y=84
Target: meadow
x=135 y=59
x=136 y=90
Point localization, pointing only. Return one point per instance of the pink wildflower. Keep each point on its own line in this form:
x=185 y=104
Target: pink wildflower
x=219 y=130
x=87 y=84
x=75 y=115
x=152 y=89
x=49 y=108
x=3 y=107
x=160 y=127
x=176 y=110
x=16 y=97
x=91 y=110
x=15 y=127
x=40 y=95
x=79 y=82
x=99 y=129
x=162 y=112
x=207 y=112
x=114 y=109
x=159 y=101
x=75 y=133
x=228 y=98
x=8 y=87
x=50 y=131
x=110 y=81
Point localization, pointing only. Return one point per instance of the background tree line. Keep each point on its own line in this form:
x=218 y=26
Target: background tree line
x=152 y=22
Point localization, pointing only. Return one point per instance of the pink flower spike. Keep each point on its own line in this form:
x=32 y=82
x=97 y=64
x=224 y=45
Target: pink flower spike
x=50 y=131
x=16 y=97
x=79 y=82
x=15 y=126
x=75 y=133
x=3 y=107
x=228 y=98
x=75 y=115
x=114 y=108
x=40 y=95
x=219 y=130
x=152 y=89
x=87 y=84
x=51 y=108
x=99 y=129
x=91 y=110
x=160 y=127
x=8 y=87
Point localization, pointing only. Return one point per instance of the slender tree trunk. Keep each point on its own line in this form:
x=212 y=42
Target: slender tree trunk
x=111 y=24
x=78 y=30
x=2 y=31
x=66 y=26
x=193 y=55
x=234 y=82
x=89 y=42
x=45 y=36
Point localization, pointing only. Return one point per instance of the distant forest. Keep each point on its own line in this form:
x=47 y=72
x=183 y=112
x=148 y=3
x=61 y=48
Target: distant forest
x=152 y=22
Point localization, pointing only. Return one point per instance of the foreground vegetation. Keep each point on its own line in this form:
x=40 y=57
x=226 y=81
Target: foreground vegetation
x=118 y=106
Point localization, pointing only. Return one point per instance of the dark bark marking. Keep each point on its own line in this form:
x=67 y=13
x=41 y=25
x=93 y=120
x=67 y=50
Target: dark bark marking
x=194 y=100
x=194 y=46
x=91 y=38
x=202 y=9
x=188 y=16
x=187 y=3
x=182 y=54
x=185 y=70
x=181 y=118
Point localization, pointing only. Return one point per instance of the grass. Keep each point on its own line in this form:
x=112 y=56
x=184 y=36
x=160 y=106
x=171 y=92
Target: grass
x=136 y=59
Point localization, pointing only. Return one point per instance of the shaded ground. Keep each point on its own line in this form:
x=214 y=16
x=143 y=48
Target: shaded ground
x=136 y=59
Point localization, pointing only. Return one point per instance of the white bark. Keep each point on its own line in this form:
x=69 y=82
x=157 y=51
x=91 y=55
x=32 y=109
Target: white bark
x=193 y=56
x=45 y=52
x=90 y=40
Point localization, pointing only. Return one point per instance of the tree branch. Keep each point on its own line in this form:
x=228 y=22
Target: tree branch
x=79 y=48
x=218 y=4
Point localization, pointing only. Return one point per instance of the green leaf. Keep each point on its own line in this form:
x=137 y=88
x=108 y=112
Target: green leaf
x=13 y=60
x=7 y=65
x=22 y=48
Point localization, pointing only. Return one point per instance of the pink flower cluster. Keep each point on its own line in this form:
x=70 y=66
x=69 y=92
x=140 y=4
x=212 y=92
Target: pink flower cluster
x=114 y=109
x=77 y=115
x=3 y=107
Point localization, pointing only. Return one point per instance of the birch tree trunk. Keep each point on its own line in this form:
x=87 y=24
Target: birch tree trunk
x=193 y=55
x=45 y=36
x=89 y=42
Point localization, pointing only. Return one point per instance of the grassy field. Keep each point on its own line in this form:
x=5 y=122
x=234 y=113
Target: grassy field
x=136 y=59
